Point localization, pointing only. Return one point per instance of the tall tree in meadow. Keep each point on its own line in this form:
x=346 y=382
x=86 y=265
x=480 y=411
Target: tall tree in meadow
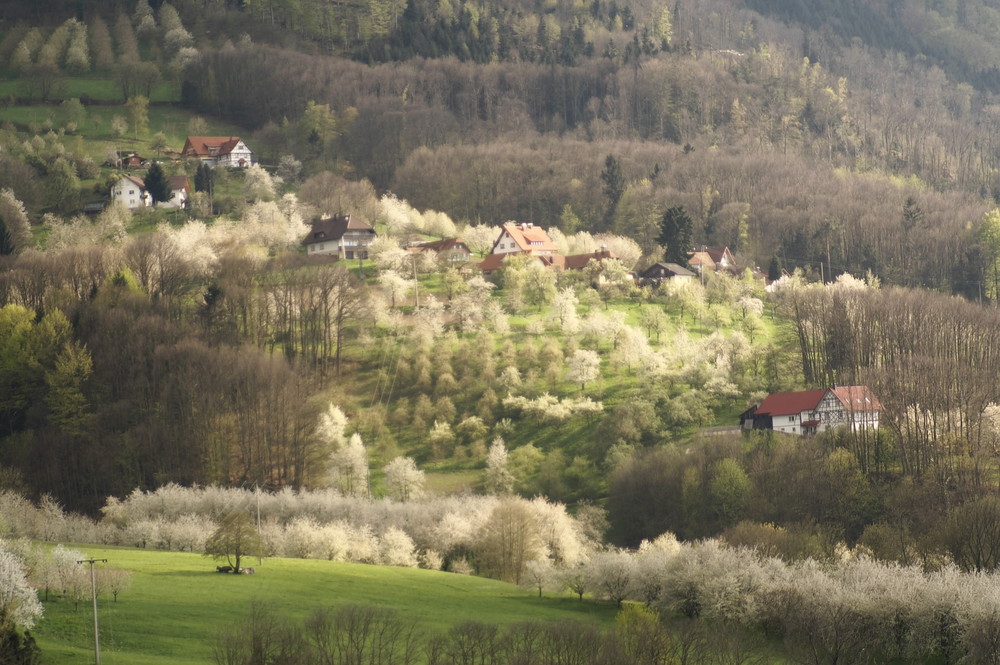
x=138 y=114
x=235 y=539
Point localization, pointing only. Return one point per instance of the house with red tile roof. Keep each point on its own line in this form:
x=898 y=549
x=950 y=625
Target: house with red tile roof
x=713 y=259
x=813 y=411
x=219 y=150
x=523 y=238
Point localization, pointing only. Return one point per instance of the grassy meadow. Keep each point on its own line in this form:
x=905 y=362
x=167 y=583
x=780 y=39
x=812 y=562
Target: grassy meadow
x=177 y=604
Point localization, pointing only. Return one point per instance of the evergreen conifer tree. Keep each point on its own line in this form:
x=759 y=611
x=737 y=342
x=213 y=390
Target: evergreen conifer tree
x=157 y=184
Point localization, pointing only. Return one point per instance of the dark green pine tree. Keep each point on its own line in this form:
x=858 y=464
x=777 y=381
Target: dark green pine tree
x=774 y=270
x=157 y=184
x=614 y=189
x=676 y=229
x=203 y=178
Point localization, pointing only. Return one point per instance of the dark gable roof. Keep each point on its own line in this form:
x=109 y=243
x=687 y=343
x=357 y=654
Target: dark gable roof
x=444 y=245
x=334 y=228
x=672 y=268
x=178 y=182
x=580 y=261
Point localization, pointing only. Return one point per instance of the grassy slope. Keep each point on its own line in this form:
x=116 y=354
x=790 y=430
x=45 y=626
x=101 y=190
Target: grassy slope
x=177 y=604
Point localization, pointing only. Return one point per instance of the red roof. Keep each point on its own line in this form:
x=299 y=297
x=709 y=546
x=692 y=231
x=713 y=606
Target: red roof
x=492 y=262
x=529 y=238
x=209 y=146
x=857 y=398
x=580 y=261
x=787 y=404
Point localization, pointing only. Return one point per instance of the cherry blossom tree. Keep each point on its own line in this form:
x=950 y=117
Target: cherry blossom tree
x=584 y=366
x=403 y=480
x=499 y=479
x=18 y=600
x=349 y=467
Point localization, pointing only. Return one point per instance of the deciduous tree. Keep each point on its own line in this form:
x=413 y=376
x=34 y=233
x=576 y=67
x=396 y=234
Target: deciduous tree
x=235 y=539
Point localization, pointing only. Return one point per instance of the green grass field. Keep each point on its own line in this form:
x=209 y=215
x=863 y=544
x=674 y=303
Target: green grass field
x=177 y=604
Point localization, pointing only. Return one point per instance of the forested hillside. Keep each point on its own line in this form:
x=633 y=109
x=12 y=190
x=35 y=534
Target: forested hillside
x=205 y=348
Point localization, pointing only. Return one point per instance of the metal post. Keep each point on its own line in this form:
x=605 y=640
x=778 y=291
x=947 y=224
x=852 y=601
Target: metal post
x=93 y=589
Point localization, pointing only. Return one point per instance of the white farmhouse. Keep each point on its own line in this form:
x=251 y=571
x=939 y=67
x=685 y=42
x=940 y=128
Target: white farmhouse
x=344 y=237
x=228 y=151
x=813 y=411
x=131 y=191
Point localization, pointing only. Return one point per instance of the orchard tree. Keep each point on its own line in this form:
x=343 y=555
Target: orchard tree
x=137 y=108
x=584 y=367
x=257 y=184
x=19 y=604
x=499 y=479
x=158 y=143
x=349 y=467
x=403 y=479
x=507 y=541
x=236 y=538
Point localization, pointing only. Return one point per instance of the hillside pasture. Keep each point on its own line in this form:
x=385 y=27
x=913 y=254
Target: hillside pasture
x=177 y=604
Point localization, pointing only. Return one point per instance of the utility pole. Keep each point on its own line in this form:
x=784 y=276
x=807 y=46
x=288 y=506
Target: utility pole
x=93 y=589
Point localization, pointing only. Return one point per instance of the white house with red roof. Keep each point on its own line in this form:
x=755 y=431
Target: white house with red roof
x=813 y=411
x=219 y=150
x=524 y=238
x=713 y=259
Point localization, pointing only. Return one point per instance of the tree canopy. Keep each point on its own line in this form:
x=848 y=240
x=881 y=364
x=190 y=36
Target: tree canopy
x=235 y=539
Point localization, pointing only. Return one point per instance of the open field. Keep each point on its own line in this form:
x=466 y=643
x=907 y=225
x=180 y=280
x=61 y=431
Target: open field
x=177 y=604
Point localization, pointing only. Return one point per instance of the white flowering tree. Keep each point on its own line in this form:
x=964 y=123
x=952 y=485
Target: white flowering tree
x=349 y=467
x=18 y=600
x=403 y=480
x=584 y=366
x=332 y=426
x=499 y=479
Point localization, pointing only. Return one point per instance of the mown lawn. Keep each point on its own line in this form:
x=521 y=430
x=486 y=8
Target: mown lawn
x=177 y=604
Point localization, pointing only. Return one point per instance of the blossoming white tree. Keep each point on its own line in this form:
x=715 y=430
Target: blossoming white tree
x=18 y=600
